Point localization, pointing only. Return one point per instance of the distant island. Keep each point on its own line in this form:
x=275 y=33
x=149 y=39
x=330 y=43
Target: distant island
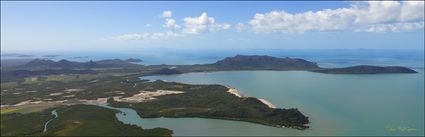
x=255 y=62
x=133 y=60
x=40 y=64
x=243 y=62
x=366 y=69
x=33 y=88
x=238 y=62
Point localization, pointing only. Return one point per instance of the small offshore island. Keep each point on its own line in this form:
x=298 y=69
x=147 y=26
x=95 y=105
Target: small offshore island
x=31 y=90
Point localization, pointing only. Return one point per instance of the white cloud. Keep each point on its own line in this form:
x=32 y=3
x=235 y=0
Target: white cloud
x=147 y=25
x=373 y=16
x=171 y=24
x=224 y=26
x=393 y=27
x=412 y=11
x=240 y=27
x=146 y=36
x=217 y=27
x=167 y=14
x=203 y=24
x=201 y=20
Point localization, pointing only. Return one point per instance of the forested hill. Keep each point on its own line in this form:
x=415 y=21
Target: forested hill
x=253 y=62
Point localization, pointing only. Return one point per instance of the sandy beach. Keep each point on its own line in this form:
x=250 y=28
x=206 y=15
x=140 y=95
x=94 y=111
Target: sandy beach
x=267 y=103
x=234 y=91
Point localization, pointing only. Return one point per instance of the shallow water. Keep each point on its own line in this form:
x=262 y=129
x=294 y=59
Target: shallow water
x=382 y=104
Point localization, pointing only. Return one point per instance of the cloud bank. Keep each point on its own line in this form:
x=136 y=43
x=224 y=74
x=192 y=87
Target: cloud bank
x=364 y=16
x=372 y=16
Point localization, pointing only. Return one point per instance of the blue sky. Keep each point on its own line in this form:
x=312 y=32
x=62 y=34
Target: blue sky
x=129 y=26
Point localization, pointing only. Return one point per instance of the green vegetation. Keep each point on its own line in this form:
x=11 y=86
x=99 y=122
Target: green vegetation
x=133 y=60
x=8 y=110
x=92 y=87
x=166 y=71
x=213 y=101
x=17 y=124
x=75 y=120
x=88 y=120
x=28 y=108
x=255 y=62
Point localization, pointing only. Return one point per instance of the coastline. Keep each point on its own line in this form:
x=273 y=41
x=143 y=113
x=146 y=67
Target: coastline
x=269 y=104
x=235 y=92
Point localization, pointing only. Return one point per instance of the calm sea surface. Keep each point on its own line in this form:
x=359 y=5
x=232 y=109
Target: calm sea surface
x=383 y=104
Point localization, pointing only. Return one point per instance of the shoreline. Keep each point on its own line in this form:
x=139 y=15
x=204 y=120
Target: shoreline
x=269 y=104
x=235 y=92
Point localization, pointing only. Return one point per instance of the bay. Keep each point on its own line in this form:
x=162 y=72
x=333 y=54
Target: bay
x=382 y=104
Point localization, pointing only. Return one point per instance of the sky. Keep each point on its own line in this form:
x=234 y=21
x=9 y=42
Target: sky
x=137 y=25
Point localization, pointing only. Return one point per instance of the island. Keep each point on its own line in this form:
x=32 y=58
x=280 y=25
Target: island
x=30 y=90
x=366 y=69
x=256 y=62
x=133 y=60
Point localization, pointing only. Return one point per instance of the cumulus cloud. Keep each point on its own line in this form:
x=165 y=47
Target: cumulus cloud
x=171 y=24
x=203 y=24
x=146 y=36
x=373 y=16
x=167 y=14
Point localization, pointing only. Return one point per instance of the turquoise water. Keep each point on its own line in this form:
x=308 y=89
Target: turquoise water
x=383 y=104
